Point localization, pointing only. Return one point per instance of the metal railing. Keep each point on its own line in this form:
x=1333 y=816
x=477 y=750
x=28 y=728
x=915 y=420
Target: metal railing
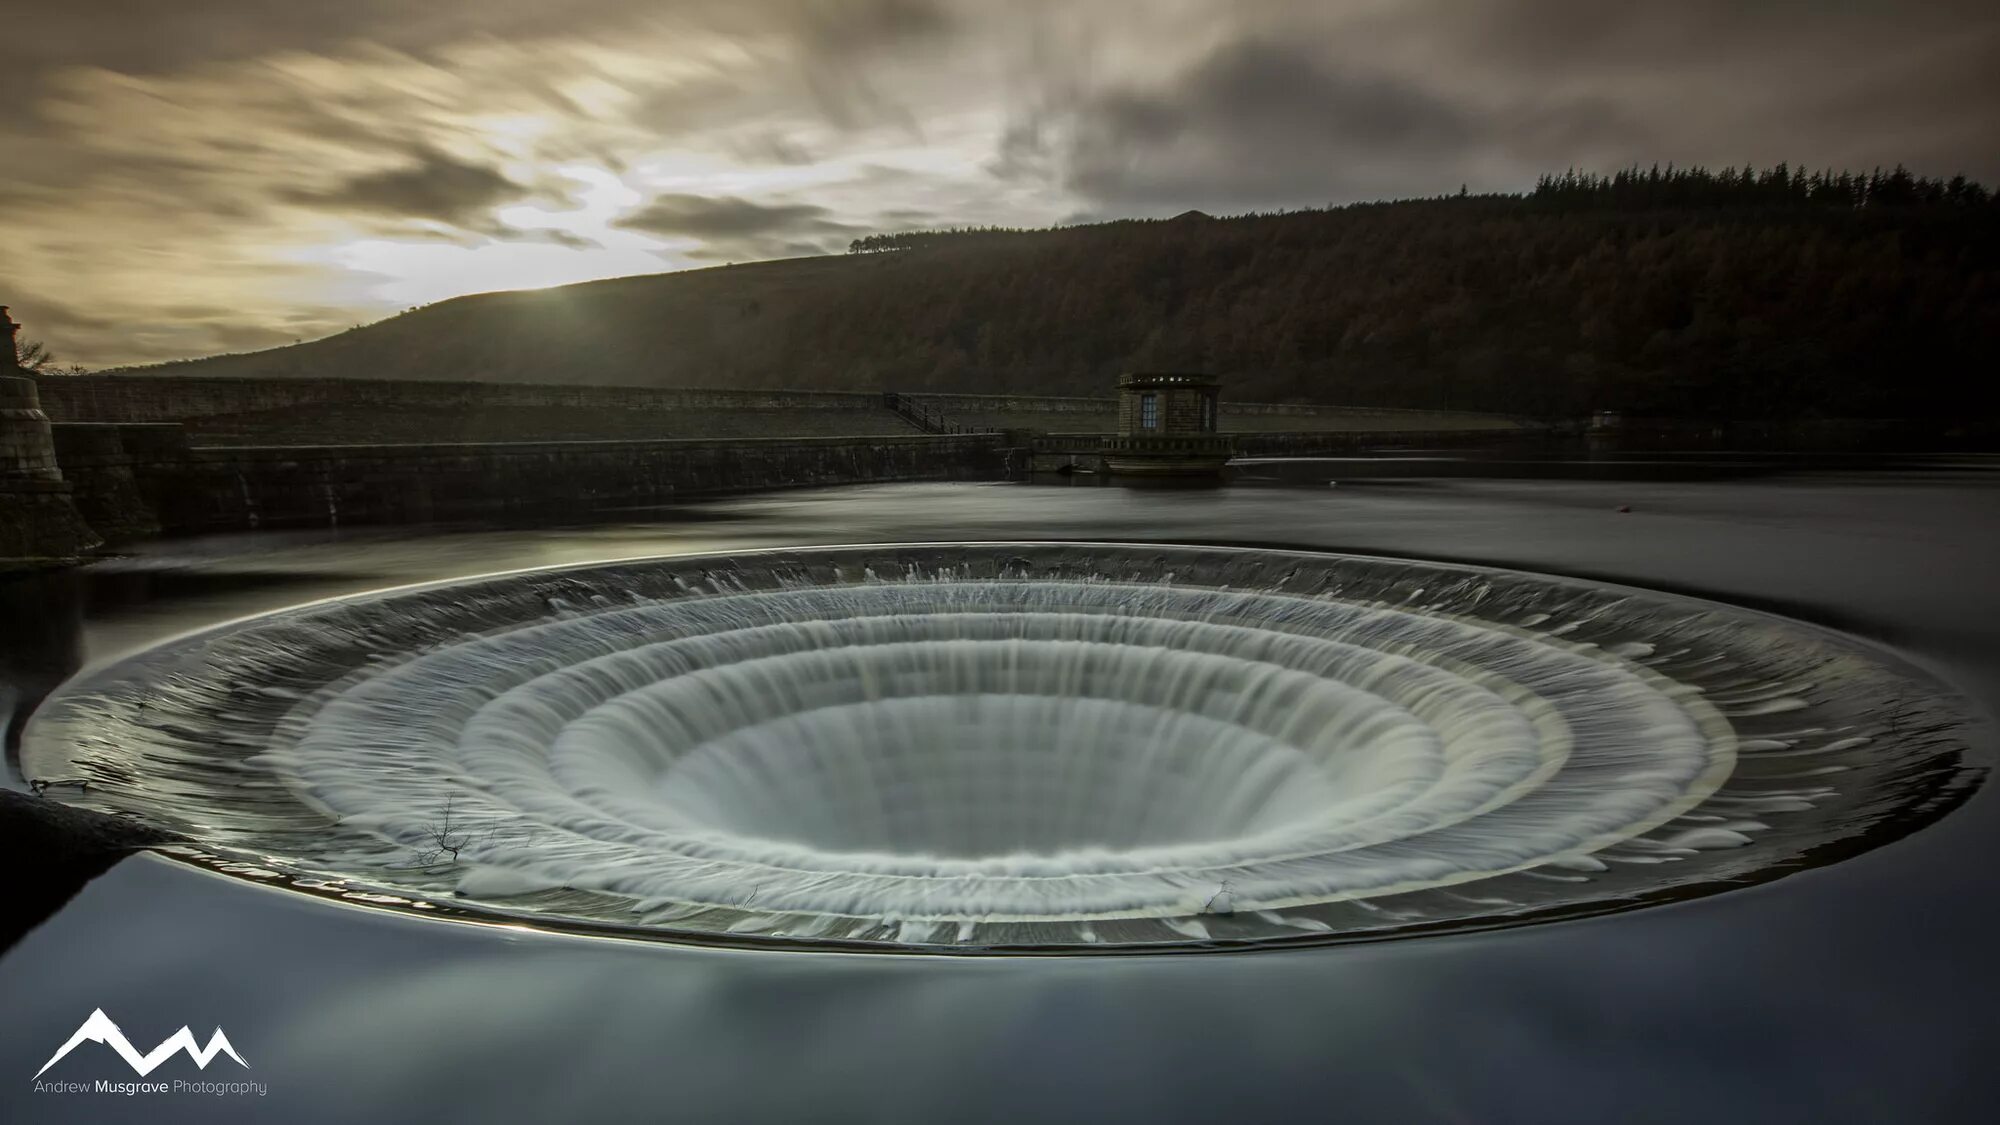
x=925 y=417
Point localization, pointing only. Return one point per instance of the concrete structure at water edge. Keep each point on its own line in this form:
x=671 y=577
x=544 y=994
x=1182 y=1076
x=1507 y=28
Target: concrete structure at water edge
x=1167 y=427
x=39 y=526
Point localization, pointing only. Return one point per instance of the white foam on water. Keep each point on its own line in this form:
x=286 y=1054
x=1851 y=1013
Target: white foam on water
x=916 y=755
x=1009 y=751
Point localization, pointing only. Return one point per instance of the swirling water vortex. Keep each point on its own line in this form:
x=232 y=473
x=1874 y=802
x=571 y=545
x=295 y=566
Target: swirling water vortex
x=1012 y=746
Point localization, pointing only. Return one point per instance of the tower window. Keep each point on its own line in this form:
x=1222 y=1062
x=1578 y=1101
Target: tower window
x=1149 y=411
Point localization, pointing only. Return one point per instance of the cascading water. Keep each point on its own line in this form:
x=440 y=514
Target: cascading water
x=1011 y=746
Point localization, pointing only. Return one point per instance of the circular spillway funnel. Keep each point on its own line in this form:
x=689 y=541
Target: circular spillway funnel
x=1012 y=747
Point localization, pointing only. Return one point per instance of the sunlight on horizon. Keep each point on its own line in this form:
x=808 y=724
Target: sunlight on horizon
x=585 y=245
x=422 y=273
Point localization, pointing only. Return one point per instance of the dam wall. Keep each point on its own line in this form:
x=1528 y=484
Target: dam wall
x=1053 y=452
x=1060 y=414
x=156 y=479
x=222 y=411
x=268 y=411
x=172 y=398
x=167 y=454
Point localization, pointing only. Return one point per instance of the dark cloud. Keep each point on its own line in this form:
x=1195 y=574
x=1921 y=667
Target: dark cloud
x=1270 y=89
x=772 y=148
x=146 y=36
x=838 y=41
x=1308 y=104
x=819 y=58
x=1855 y=83
x=740 y=230
x=433 y=186
x=43 y=315
x=555 y=238
x=728 y=217
x=853 y=26
x=1258 y=123
x=1572 y=34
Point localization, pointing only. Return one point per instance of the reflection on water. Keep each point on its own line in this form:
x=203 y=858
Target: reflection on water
x=40 y=644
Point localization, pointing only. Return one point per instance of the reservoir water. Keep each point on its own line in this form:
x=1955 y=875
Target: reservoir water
x=1861 y=990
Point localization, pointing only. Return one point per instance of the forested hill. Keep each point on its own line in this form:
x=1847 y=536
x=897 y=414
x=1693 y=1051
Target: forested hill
x=1728 y=294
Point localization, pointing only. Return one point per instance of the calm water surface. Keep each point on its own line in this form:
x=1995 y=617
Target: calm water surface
x=1865 y=991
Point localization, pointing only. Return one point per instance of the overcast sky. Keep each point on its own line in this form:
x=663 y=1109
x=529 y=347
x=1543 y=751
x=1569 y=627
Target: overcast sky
x=187 y=177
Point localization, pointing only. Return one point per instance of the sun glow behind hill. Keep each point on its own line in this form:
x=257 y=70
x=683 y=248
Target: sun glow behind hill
x=532 y=246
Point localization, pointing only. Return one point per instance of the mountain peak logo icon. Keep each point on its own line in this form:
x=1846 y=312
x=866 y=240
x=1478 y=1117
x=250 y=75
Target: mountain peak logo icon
x=99 y=1029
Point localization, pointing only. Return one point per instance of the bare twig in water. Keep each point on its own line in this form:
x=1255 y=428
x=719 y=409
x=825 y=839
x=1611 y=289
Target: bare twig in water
x=445 y=837
x=1223 y=901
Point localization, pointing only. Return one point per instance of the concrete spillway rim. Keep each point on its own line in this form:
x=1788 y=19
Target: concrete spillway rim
x=486 y=913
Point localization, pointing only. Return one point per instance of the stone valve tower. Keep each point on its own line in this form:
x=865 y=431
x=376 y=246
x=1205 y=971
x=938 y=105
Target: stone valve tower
x=1167 y=426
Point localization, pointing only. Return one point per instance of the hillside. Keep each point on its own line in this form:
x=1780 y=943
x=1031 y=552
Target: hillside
x=1751 y=296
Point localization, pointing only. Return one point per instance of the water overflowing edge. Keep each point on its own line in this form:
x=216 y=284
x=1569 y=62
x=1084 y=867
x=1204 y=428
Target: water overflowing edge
x=1944 y=791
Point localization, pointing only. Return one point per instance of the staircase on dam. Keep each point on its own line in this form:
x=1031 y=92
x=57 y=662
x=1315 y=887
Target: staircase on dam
x=925 y=417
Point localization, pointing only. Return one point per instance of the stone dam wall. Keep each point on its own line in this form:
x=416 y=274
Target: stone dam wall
x=251 y=411
x=1061 y=452
x=164 y=398
x=1108 y=404
x=147 y=455
x=220 y=411
x=1100 y=415
x=150 y=477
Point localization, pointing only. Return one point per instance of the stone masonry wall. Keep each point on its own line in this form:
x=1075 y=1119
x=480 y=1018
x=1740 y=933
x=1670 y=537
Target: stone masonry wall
x=165 y=398
x=1084 y=450
x=39 y=522
x=1107 y=406
x=212 y=489
x=1179 y=410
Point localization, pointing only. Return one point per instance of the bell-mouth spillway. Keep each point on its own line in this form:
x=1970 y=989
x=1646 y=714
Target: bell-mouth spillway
x=1011 y=747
